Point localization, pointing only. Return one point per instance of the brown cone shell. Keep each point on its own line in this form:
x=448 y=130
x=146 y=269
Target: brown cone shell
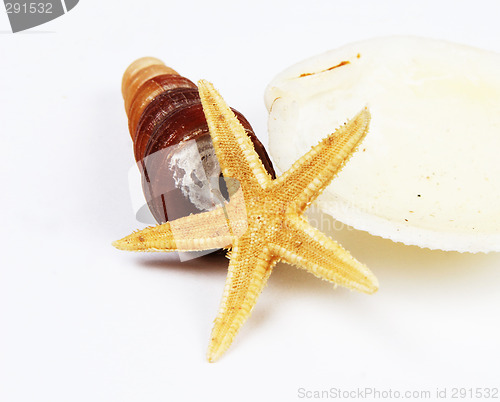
x=165 y=112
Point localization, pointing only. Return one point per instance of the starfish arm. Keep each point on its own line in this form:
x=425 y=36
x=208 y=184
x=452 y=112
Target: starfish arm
x=308 y=177
x=308 y=248
x=249 y=269
x=234 y=149
x=203 y=231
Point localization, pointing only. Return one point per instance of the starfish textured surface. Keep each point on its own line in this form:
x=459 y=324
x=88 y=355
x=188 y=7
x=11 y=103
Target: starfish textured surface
x=263 y=220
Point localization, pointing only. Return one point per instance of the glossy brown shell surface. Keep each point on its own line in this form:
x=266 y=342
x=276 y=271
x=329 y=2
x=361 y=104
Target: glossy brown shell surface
x=172 y=143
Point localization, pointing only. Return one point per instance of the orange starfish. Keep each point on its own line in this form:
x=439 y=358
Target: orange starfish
x=263 y=220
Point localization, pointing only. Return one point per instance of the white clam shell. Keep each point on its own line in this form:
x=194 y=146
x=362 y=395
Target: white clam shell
x=428 y=172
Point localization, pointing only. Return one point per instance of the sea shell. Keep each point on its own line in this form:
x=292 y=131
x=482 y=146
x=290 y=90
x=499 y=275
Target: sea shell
x=172 y=144
x=428 y=172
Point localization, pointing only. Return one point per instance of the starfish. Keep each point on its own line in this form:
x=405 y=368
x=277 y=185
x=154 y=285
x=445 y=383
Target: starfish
x=263 y=220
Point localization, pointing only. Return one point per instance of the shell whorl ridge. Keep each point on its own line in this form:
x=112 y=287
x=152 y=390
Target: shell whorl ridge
x=165 y=113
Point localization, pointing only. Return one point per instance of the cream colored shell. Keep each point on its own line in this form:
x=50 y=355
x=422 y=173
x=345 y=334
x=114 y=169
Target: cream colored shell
x=428 y=172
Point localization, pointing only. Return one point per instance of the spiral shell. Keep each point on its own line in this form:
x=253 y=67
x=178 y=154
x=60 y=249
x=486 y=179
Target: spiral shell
x=172 y=143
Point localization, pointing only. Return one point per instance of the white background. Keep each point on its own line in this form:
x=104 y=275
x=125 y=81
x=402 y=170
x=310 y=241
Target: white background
x=81 y=321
